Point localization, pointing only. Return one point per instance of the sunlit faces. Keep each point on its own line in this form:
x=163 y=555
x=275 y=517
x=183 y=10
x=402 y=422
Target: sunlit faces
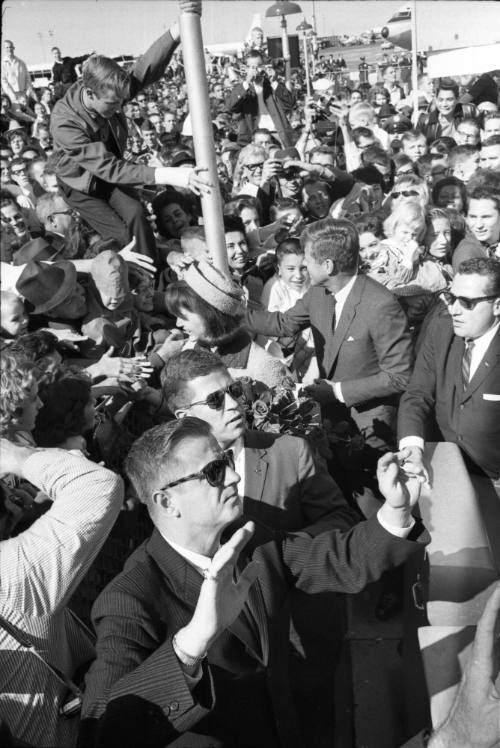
x=405 y=232
x=414 y=149
x=318 y=270
x=17 y=144
x=13 y=318
x=237 y=250
x=491 y=127
x=174 y=219
x=316 y=199
x=472 y=323
x=192 y=324
x=368 y=246
x=438 y=238
x=467 y=134
x=490 y=157
x=250 y=218
x=204 y=509
x=293 y=272
x=483 y=220
x=253 y=169
x=12 y=217
x=446 y=102
x=228 y=422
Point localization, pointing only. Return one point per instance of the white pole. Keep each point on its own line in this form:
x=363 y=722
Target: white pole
x=306 y=63
x=414 y=64
x=203 y=138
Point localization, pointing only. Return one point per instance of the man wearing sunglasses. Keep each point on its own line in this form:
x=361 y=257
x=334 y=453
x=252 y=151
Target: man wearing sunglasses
x=193 y=635
x=456 y=380
x=282 y=487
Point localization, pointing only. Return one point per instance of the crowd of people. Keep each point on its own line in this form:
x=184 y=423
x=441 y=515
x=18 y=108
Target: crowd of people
x=362 y=230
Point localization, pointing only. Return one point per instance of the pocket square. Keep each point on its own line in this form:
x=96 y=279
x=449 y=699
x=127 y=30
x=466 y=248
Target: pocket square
x=350 y=339
x=493 y=398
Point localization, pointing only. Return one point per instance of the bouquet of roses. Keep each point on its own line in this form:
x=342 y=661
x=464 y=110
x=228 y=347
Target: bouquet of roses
x=286 y=409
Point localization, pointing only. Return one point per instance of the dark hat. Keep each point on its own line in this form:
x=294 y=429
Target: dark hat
x=397 y=124
x=35 y=249
x=368 y=175
x=386 y=110
x=46 y=286
x=182 y=157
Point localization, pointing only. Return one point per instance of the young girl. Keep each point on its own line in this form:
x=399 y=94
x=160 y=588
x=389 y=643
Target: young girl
x=13 y=317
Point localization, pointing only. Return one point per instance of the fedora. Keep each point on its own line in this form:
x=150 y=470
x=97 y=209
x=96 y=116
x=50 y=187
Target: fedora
x=46 y=286
x=35 y=249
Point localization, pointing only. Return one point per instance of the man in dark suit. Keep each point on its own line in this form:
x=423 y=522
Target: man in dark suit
x=258 y=104
x=283 y=487
x=193 y=635
x=360 y=332
x=456 y=381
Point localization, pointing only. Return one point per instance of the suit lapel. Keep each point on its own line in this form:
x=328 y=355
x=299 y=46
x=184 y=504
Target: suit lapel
x=489 y=360
x=251 y=625
x=256 y=465
x=342 y=325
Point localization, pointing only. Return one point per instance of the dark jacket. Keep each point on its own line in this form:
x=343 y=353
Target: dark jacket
x=64 y=71
x=88 y=147
x=428 y=122
x=244 y=102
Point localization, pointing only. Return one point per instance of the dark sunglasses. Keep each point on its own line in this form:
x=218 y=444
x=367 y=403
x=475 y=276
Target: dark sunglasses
x=215 y=400
x=214 y=472
x=255 y=167
x=466 y=302
x=405 y=193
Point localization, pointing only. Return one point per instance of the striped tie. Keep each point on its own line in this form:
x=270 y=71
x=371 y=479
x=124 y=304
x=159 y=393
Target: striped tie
x=469 y=345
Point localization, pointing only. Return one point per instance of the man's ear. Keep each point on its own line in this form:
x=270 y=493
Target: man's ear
x=331 y=267
x=163 y=499
x=180 y=413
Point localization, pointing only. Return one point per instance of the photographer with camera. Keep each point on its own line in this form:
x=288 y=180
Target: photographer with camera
x=258 y=104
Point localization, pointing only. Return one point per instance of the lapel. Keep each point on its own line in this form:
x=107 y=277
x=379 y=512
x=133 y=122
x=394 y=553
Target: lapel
x=485 y=367
x=343 y=324
x=186 y=582
x=256 y=465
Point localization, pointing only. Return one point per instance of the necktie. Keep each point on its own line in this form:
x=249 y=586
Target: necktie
x=334 y=316
x=469 y=345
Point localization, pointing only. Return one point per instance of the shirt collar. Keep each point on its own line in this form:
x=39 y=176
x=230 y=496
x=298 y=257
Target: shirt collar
x=196 y=560
x=342 y=295
x=485 y=339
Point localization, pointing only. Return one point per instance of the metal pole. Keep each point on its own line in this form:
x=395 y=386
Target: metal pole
x=286 y=52
x=306 y=63
x=203 y=139
x=414 y=65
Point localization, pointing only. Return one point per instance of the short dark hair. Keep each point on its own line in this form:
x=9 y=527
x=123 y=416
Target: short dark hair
x=252 y=53
x=36 y=345
x=233 y=222
x=447 y=84
x=333 y=239
x=280 y=204
x=492 y=140
x=442 y=145
x=101 y=74
x=182 y=368
x=288 y=247
x=370 y=222
x=375 y=154
x=489 y=267
x=165 y=198
x=154 y=458
x=62 y=414
x=220 y=328
x=462 y=153
x=483 y=193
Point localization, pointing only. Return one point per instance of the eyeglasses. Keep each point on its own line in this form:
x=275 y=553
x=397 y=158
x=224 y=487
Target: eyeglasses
x=466 y=302
x=214 y=472
x=255 y=167
x=405 y=193
x=215 y=400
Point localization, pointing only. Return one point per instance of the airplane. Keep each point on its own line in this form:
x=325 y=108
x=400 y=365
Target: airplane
x=236 y=48
x=472 y=24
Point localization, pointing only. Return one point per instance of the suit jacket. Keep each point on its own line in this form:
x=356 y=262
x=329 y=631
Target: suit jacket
x=370 y=351
x=470 y=417
x=136 y=690
x=286 y=490
x=244 y=102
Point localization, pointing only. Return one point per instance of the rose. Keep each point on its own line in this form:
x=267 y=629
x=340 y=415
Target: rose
x=260 y=412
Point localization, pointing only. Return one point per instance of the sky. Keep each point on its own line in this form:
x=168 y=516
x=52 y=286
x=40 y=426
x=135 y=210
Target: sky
x=115 y=27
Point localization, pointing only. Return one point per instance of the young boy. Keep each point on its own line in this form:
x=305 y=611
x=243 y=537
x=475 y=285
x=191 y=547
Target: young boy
x=280 y=293
x=13 y=317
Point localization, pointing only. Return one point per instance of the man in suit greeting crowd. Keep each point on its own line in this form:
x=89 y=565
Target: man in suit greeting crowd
x=195 y=629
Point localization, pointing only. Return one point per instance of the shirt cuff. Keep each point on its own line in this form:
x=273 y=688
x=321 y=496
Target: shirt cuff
x=337 y=391
x=399 y=532
x=411 y=441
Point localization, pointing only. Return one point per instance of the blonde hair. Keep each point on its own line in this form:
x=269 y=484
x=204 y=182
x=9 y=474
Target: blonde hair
x=16 y=381
x=410 y=212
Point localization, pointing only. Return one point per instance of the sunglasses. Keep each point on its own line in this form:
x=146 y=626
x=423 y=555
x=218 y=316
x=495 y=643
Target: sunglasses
x=466 y=302
x=214 y=472
x=405 y=193
x=255 y=167
x=215 y=400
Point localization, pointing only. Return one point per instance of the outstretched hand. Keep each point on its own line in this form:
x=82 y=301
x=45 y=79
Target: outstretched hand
x=137 y=258
x=198 y=184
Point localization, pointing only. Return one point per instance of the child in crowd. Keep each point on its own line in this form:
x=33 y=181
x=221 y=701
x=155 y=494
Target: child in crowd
x=13 y=317
x=280 y=293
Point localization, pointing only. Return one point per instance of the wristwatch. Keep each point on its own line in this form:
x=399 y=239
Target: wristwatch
x=187 y=659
